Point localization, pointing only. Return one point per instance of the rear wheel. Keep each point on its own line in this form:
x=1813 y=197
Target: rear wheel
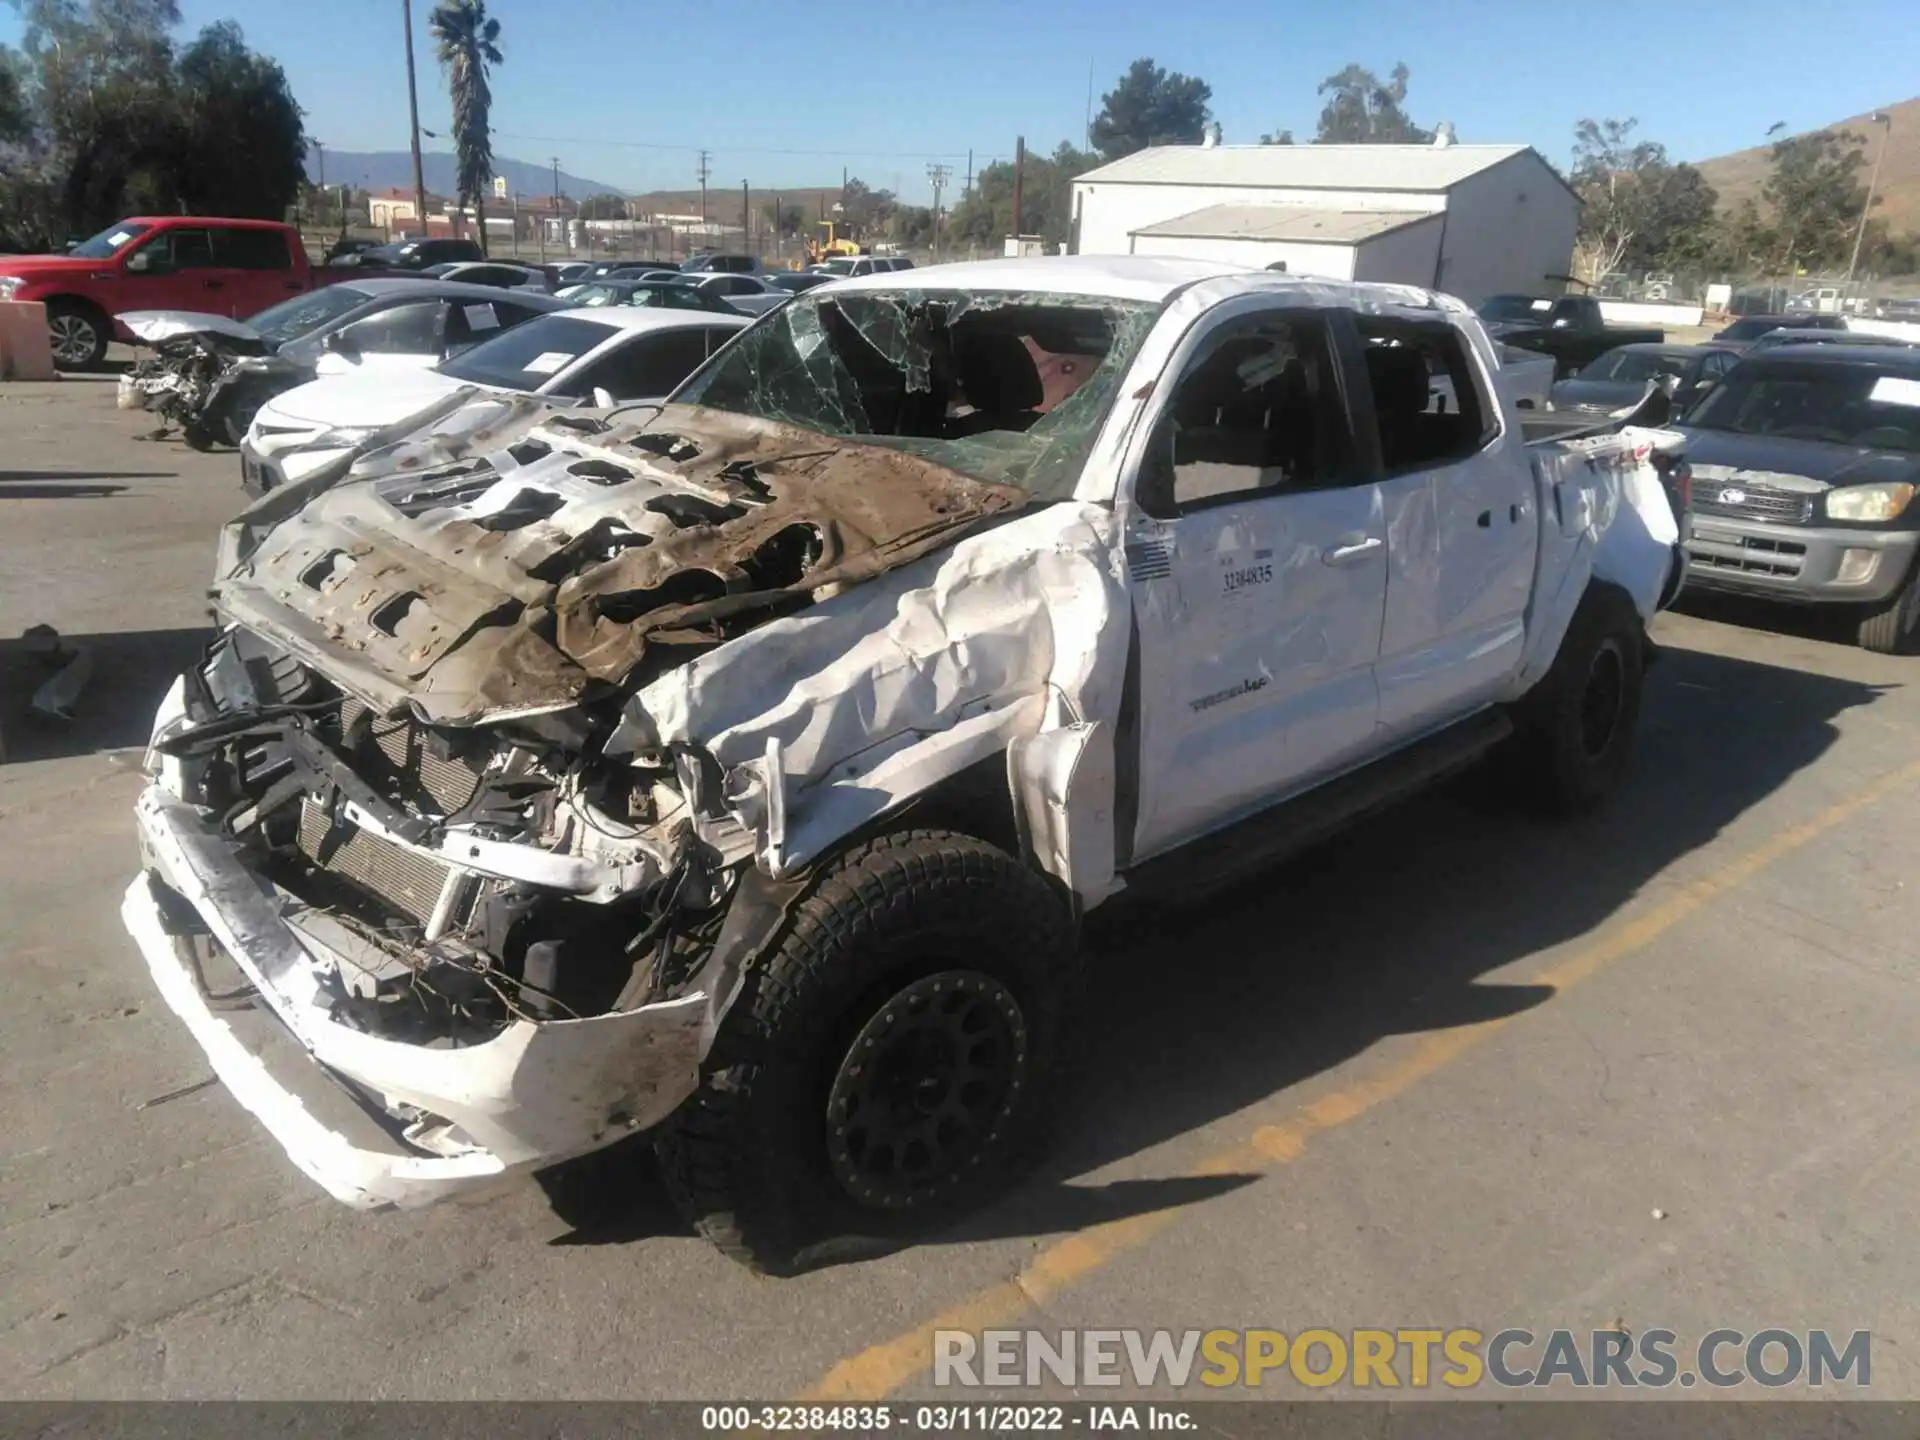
x=1893 y=627
x=892 y=1061
x=78 y=334
x=1574 y=730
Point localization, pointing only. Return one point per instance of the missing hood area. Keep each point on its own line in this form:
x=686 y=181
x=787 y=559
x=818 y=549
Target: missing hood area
x=517 y=568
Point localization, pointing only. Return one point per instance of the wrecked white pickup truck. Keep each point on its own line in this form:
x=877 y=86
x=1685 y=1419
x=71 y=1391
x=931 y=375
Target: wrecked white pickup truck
x=740 y=770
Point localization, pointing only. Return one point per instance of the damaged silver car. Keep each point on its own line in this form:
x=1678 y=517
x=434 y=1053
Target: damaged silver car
x=739 y=771
x=208 y=375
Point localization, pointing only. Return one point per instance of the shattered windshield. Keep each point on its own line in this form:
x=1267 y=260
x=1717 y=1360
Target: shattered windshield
x=1006 y=386
x=304 y=314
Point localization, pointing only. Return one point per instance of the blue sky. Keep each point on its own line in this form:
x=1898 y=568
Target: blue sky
x=627 y=94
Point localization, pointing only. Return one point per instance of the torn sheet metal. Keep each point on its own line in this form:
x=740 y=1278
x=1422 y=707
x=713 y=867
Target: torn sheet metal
x=154 y=326
x=877 y=694
x=1605 y=516
x=72 y=666
x=507 y=581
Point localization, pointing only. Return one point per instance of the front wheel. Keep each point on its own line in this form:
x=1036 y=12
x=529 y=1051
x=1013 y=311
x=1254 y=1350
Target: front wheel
x=77 y=334
x=1893 y=627
x=1574 y=731
x=892 y=1061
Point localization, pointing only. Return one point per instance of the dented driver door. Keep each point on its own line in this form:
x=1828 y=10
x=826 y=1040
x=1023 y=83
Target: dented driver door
x=1256 y=557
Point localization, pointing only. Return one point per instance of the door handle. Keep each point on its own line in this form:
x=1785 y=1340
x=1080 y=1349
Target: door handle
x=1352 y=553
x=215 y=284
x=1486 y=519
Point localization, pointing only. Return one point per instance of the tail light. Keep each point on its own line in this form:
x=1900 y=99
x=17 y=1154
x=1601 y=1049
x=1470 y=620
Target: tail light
x=1683 y=485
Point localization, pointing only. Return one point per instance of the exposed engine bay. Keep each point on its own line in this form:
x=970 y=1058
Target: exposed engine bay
x=411 y=729
x=201 y=378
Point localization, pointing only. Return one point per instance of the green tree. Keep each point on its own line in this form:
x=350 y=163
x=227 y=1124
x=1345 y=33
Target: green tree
x=242 y=140
x=469 y=46
x=1151 y=107
x=1278 y=137
x=1362 y=111
x=1638 y=210
x=1816 y=197
x=107 y=119
x=985 y=217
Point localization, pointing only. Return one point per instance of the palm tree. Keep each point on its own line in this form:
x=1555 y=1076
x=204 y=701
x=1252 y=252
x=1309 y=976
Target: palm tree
x=468 y=45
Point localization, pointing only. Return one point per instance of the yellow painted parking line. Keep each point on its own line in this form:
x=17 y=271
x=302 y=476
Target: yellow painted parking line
x=878 y=1371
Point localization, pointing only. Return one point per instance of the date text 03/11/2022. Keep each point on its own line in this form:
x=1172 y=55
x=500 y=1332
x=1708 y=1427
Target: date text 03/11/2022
x=942 y=1419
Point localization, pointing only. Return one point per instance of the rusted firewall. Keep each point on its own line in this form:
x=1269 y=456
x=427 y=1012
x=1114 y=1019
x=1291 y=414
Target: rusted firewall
x=507 y=578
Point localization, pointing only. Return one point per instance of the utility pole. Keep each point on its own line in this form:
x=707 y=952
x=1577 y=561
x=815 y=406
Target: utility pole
x=413 y=118
x=939 y=175
x=967 y=191
x=746 y=218
x=705 y=170
x=320 y=153
x=1885 y=121
x=1019 y=175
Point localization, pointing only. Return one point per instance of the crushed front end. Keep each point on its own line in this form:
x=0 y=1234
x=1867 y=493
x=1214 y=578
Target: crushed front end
x=400 y=815
x=482 y=948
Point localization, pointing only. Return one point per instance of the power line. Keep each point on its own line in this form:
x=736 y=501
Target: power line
x=738 y=149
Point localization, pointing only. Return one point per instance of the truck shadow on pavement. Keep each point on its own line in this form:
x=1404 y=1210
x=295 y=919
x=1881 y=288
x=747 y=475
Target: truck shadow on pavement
x=1194 y=1015
x=131 y=673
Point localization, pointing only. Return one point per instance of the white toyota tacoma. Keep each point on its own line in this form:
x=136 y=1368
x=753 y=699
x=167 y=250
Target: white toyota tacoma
x=740 y=771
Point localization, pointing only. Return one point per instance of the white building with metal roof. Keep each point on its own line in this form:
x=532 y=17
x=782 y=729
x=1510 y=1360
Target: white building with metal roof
x=1473 y=220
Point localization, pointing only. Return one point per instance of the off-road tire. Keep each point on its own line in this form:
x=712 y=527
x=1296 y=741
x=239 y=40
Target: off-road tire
x=747 y=1158
x=1561 y=760
x=78 y=320
x=1893 y=627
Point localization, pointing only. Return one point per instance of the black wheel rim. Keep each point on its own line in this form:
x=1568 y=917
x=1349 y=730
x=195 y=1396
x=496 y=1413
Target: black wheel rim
x=926 y=1088
x=1601 y=701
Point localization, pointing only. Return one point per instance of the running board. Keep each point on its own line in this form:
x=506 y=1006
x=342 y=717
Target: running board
x=1215 y=862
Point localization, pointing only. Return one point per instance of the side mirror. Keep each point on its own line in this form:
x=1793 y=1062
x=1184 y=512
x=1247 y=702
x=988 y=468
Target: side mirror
x=140 y=262
x=340 y=343
x=603 y=398
x=1562 y=323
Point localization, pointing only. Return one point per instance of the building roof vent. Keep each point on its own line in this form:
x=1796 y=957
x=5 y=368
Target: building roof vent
x=1210 y=137
x=1443 y=135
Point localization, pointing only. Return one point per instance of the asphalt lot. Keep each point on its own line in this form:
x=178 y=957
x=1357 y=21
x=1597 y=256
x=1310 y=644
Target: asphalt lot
x=1441 y=1072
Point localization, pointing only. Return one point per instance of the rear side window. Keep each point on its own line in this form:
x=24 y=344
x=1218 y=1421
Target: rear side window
x=1427 y=403
x=251 y=250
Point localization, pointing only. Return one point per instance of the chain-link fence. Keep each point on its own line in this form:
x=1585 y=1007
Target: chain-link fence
x=1722 y=294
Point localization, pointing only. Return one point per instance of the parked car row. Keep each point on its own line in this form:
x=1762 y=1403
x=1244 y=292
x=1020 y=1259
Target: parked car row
x=236 y=269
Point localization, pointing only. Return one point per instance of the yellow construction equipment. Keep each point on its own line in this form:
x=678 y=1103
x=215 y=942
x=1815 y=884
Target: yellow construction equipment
x=826 y=249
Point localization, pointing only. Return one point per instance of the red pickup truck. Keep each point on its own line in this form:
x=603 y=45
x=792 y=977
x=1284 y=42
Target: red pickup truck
x=157 y=262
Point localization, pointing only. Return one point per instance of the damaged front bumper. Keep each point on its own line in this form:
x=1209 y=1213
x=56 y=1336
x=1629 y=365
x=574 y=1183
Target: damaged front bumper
x=378 y=1122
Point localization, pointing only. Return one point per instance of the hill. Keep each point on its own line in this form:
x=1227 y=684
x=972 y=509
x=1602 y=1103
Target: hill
x=393 y=170
x=1739 y=176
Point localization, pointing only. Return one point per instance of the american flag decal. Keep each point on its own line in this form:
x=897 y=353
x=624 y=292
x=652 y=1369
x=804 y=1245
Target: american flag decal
x=1149 y=560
